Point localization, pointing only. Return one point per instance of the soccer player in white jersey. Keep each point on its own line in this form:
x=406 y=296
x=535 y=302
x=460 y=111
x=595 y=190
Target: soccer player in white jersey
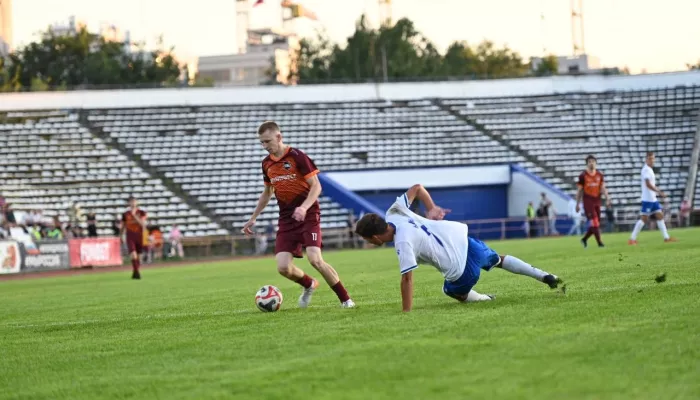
x=650 y=204
x=443 y=244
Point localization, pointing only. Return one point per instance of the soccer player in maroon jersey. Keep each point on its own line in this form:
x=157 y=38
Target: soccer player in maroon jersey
x=590 y=186
x=134 y=223
x=291 y=176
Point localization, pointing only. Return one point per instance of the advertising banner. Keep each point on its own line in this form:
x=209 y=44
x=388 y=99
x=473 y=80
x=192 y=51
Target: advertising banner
x=46 y=255
x=10 y=257
x=97 y=252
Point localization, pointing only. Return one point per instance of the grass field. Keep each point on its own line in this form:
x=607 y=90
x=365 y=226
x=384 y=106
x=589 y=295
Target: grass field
x=194 y=332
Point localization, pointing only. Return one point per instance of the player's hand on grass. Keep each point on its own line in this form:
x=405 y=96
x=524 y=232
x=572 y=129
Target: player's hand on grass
x=437 y=213
x=247 y=227
x=299 y=214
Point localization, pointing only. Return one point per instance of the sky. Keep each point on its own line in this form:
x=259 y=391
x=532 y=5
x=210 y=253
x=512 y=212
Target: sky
x=644 y=35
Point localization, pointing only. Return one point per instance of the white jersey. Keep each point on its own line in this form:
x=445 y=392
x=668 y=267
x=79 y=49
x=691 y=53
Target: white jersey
x=442 y=244
x=648 y=174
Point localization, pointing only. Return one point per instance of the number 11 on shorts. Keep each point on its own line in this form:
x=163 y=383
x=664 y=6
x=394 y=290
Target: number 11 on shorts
x=314 y=236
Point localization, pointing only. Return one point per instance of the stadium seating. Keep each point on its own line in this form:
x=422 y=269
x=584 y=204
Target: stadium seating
x=212 y=153
x=49 y=160
x=618 y=127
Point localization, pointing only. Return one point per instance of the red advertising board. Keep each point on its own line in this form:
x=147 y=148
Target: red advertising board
x=96 y=252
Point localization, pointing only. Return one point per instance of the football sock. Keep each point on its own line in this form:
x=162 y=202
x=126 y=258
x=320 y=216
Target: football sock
x=340 y=291
x=638 y=228
x=135 y=264
x=596 y=232
x=518 y=266
x=589 y=232
x=305 y=281
x=662 y=227
x=475 y=296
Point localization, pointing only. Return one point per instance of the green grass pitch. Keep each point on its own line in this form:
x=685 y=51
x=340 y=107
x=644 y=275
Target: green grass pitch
x=194 y=332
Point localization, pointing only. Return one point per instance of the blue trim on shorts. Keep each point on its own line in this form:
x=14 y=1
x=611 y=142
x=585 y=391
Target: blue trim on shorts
x=650 y=207
x=479 y=256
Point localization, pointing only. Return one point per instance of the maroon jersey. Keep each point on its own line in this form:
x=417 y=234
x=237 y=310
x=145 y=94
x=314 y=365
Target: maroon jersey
x=592 y=185
x=134 y=230
x=288 y=175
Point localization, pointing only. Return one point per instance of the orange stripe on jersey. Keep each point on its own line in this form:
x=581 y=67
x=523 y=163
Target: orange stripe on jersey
x=312 y=173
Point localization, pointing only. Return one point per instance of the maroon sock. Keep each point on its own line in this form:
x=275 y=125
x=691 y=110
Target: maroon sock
x=340 y=291
x=305 y=281
x=589 y=232
x=135 y=264
x=596 y=232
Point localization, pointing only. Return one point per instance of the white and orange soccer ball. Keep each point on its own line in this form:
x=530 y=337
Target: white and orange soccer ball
x=268 y=299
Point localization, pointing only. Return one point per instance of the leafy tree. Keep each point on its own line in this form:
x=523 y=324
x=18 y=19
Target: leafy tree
x=84 y=58
x=402 y=52
x=692 y=67
x=548 y=66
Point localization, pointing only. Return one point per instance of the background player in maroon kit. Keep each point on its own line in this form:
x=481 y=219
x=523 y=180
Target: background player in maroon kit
x=590 y=186
x=292 y=177
x=134 y=223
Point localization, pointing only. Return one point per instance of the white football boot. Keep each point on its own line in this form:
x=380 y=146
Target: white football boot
x=305 y=297
x=347 y=304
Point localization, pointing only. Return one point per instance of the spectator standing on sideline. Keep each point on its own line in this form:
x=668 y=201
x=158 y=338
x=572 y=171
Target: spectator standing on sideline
x=75 y=214
x=92 y=224
x=545 y=205
x=530 y=220
x=175 y=239
x=684 y=213
x=576 y=218
x=609 y=219
x=10 y=216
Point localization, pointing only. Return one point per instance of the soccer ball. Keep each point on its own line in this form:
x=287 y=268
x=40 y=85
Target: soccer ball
x=268 y=299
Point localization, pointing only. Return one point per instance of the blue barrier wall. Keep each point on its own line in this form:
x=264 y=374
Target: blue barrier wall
x=345 y=197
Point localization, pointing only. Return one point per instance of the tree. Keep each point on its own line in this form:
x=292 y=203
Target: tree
x=399 y=51
x=84 y=58
x=693 y=67
x=547 y=66
x=460 y=60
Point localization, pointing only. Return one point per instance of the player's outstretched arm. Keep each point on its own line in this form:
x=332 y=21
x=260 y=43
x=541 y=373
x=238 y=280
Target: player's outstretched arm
x=264 y=199
x=407 y=291
x=419 y=192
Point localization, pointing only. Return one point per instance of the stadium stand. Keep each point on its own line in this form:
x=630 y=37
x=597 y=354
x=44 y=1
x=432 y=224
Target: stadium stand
x=49 y=160
x=212 y=153
x=618 y=127
x=200 y=164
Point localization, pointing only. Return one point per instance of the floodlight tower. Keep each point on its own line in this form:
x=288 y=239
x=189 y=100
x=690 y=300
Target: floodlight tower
x=242 y=24
x=385 y=13
x=577 y=27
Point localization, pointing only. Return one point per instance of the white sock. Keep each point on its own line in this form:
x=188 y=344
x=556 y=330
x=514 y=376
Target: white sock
x=474 y=296
x=662 y=227
x=518 y=266
x=638 y=228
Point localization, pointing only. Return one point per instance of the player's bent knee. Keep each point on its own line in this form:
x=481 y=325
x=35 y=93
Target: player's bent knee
x=315 y=257
x=284 y=263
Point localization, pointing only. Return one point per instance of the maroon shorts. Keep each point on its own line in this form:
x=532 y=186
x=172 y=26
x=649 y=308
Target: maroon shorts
x=592 y=208
x=134 y=244
x=294 y=236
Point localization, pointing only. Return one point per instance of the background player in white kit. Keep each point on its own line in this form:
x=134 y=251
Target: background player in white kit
x=650 y=204
x=442 y=244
